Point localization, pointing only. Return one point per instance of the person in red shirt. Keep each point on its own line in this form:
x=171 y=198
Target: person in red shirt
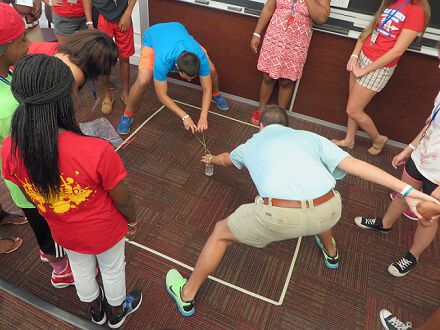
x=373 y=61
x=75 y=181
x=67 y=17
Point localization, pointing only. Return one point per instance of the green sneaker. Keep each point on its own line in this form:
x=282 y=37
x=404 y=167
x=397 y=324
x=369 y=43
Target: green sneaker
x=175 y=282
x=330 y=262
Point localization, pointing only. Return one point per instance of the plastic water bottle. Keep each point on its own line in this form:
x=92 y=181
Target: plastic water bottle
x=209 y=169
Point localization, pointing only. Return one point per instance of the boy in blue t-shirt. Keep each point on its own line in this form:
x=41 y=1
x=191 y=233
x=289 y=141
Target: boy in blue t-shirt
x=168 y=47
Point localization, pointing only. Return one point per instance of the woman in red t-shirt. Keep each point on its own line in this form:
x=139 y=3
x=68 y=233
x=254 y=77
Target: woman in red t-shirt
x=373 y=61
x=75 y=181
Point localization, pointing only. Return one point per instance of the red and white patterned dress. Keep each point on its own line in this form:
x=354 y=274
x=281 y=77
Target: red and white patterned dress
x=285 y=46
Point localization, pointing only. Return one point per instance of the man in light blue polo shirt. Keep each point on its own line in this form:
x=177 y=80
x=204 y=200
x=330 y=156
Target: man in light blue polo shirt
x=168 y=47
x=295 y=174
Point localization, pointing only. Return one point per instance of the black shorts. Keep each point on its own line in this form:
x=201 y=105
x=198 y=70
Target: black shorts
x=411 y=170
x=42 y=233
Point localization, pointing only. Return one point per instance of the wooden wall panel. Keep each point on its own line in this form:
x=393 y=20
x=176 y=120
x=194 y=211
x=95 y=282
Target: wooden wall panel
x=399 y=110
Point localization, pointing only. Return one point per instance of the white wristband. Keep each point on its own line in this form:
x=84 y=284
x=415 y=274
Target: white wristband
x=89 y=23
x=354 y=55
x=405 y=191
x=185 y=117
x=411 y=146
x=256 y=34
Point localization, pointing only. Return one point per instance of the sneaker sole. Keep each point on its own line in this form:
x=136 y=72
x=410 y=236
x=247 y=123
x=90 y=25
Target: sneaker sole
x=61 y=286
x=222 y=109
x=382 y=320
x=183 y=312
x=360 y=225
x=394 y=272
x=410 y=218
x=327 y=264
x=125 y=133
x=121 y=322
x=104 y=319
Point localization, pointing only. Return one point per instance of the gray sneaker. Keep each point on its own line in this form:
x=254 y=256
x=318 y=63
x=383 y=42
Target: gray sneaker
x=391 y=322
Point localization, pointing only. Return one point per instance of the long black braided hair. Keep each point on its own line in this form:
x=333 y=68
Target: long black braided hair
x=43 y=86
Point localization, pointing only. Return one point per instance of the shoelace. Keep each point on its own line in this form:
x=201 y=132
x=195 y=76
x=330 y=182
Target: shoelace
x=130 y=300
x=400 y=325
x=404 y=263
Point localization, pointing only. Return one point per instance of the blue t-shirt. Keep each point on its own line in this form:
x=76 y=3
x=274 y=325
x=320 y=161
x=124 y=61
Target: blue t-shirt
x=289 y=164
x=169 y=40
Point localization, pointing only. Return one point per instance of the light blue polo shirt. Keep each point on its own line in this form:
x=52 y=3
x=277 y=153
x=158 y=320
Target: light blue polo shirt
x=169 y=40
x=289 y=164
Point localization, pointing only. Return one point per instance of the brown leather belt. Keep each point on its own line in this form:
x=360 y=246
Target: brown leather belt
x=297 y=204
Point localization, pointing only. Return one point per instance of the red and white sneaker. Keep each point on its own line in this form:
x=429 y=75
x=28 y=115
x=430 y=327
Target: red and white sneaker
x=43 y=257
x=408 y=213
x=64 y=279
x=255 y=118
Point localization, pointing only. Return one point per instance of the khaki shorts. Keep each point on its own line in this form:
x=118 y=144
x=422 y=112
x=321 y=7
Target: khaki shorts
x=257 y=224
x=375 y=80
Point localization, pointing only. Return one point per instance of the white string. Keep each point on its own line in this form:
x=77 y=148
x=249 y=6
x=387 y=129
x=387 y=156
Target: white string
x=203 y=143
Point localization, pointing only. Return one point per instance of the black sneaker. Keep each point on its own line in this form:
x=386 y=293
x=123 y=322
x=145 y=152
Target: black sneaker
x=374 y=223
x=403 y=266
x=130 y=305
x=391 y=322
x=99 y=317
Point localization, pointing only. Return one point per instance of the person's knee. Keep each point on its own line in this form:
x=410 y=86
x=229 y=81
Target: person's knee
x=222 y=232
x=428 y=225
x=143 y=80
x=268 y=80
x=213 y=71
x=219 y=228
x=286 y=83
x=353 y=112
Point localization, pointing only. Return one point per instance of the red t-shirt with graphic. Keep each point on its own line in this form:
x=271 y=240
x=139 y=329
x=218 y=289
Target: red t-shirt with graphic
x=409 y=17
x=69 y=8
x=43 y=47
x=82 y=217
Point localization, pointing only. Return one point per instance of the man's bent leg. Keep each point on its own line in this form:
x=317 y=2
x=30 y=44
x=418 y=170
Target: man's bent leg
x=208 y=261
x=326 y=239
x=182 y=291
